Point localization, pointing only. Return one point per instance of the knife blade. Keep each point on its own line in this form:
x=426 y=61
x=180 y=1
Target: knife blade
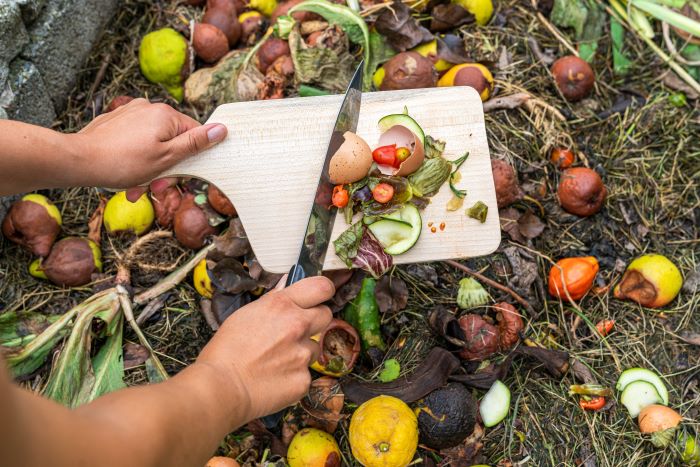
x=318 y=229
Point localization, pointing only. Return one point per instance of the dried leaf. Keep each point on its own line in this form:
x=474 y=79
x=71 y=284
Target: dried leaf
x=134 y=355
x=484 y=378
x=323 y=404
x=224 y=305
x=509 y=223
x=555 y=361
x=530 y=226
x=348 y=291
x=446 y=325
x=391 y=294
x=449 y=16
x=690 y=337
x=95 y=223
x=400 y=28
x=451 y=49
x=229 y=276
x=465 y=453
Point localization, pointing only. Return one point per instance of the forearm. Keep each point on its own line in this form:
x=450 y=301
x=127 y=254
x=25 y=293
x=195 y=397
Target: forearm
x=33 y=157
x=176 y=423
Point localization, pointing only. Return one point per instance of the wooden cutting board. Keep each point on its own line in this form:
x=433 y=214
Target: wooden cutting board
x=270 y=162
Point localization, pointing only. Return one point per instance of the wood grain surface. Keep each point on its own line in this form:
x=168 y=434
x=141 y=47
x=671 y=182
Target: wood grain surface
x=271 y=160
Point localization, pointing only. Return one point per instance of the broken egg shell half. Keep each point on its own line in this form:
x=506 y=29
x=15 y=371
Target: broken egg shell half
x=351 y=162
x=402 y=137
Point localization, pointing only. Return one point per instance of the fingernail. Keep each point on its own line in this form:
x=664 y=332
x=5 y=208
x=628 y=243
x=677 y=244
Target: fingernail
x=133 y=194
x=216 y=133
x=160 y=185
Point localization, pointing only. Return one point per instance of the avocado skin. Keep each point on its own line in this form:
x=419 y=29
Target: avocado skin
x=453 y=416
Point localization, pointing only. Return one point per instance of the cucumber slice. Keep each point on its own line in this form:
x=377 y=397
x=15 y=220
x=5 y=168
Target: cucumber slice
x=404 y=120
x=399 y=231
x=642 y=374
x=495 y=405
x=639 y=394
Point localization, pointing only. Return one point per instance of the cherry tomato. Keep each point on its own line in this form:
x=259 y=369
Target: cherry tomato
x=594 y=403
x=401 y=155
x=340 y=196
x=385 y=155
x=383 y=193
x=562 y=157
x=605 y=326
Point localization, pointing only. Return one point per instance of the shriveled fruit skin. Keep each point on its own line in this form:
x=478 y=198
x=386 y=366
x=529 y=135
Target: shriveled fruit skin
x=650 y=280
x=481 y=337
x=510 y=324
x=340 y=347
x=209 y=42
x=72 y=262
x=581 y=191
x=408 y=70
x=34 y=223
x=271 y=50
x=508 y=190
x=446 y=416
x=165 y=205
x=574 y=77
x=220 y=202
x=190 y=224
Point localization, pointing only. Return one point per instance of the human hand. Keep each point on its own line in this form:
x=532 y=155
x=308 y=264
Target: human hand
x=265 y=348
x=132 y=144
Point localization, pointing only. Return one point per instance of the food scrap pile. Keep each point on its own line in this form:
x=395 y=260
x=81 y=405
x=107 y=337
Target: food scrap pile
x=575 y=343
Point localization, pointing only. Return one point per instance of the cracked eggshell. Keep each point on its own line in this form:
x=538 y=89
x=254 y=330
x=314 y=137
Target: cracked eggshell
x=351 y=162
x=402 y=137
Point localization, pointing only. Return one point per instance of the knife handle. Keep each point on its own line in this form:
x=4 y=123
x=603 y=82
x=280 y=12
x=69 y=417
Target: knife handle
x=296 y=273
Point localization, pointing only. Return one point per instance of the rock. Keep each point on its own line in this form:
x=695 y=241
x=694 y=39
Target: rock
x=24 y=96
x=13 y=35
x=61 y=39
x=30 y=9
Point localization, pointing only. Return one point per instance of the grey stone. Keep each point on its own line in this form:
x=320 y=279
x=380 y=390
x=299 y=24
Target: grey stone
x=25 y=97
x=3 y=114
x=13 y=35
x=30 y=9
x=61 y=39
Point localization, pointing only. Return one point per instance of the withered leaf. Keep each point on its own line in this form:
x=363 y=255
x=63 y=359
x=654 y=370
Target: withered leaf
x=555 y=361
x=509 y=223
x=465 y=453
x=323 y=404
x=400 y=28
x=690 y=337
x=231 y=244
x=134 y=355
x=446 y=325
x=265 y=436
x=229 y=276
x=484 y=378
x=448 y=16
x=530 y=226
x=450 y=48
x=391 y=294
x=224 y=305
x=347 y=291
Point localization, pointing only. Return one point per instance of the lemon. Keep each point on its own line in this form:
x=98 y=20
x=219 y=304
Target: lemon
x=313 y=448
x=429 y=50
x=202 y=282
x=266 y=7
x=162 y=56
x=35 y=269
x=48 y=205
x=121 y=215
x=481 y=9
x=384 y=433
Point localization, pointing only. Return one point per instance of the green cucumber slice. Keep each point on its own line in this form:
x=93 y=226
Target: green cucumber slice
x=642 y=374
x=495 y=405
x=404 y=120
x=399 y=231
x=639 y=394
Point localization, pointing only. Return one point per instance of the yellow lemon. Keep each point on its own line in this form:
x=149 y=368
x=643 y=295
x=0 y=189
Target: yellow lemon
x=384 y=433
x=481 y=9
x=313 y=448
x=202 y=282
x=162 y=56
x=121 y=215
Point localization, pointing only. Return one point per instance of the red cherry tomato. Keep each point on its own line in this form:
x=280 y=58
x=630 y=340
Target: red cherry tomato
x=385 y=155
x=340 y=196
x=383 y=193
x=594 y=403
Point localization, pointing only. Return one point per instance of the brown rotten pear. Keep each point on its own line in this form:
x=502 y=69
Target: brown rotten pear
x=190 y=224
x=222 y=14
x=481 y=338
x=165 y=205
x=574 y=77
x=581 y=191
x=209 y=42
x=271 y=50
x=508 y=190
x=408 y=70
x=220 y=202
x=72 y=262
x=33 y=222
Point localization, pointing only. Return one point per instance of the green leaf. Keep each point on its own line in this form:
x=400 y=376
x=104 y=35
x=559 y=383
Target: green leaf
x=380 y=52
x=331 y=68
x=348 y=242
x=391 y=371
x=621 y=63
x=586 y=18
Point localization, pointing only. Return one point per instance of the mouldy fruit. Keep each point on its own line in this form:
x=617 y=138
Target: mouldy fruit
x=574 y=77
x=510 y=324
x=689 y=447
x=271 y=50
x=201 y=279
x=121 y=215
x=35 y=269
x=562 y=158
x=446 y=416
x=429 y=50
x=222 y=14
x=508 y=190
x=581 y=191
x=660 y=422
x=299 y=16
x=117 y=102
x=220 y=202
x=72 y=262
x=33 y=222
x=481 y=338
x=220 y=461
x=481 y=9
x=408 y=70
x=209 y=42
x=340 y=348
x=266 y=7
x=575 y=275
x=165 y=205
x=311 y=447
x=163 y=60
x=650 y=280
x=474 y=75
x=190 y=224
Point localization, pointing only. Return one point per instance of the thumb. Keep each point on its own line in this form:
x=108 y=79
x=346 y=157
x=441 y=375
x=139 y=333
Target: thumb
x=197 y=139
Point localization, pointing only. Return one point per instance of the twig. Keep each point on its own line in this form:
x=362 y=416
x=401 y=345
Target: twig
x=205 y=308
x=672 y=47
x=506 y=102
x=100 y=75
x=150 y=309
x=172 y=279
x=537 y=51
x=555 y=32
x=133 y=249
x=493 y=284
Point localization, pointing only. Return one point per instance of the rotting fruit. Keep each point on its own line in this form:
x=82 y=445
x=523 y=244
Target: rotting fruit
x=651 y=280
x=340 y=347
x=429 y=50
x=311 y=447
x=575 y=275
x=660 y=422
x=510 y=324
x=508 y=190
x=574 y=77
x=163 y=60
x=220 y=461
x=222 y=14
x=209 y=42
x=481 y=9
x=190 y=224
x=220 y=202
x=270 y=50
x=562 y=158
x=581 y=191
x=446 y=416
x=474 y=75
x=201 y=279
x=35 y=269
x=72 y=262
x=480 y=336
x=408 y=70
x=384 y=432
x=121 y=215
x=165 y=205
x=33 y=222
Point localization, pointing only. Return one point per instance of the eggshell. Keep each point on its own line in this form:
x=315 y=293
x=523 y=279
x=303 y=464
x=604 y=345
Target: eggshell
x=351 y=162
x=402 y=137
